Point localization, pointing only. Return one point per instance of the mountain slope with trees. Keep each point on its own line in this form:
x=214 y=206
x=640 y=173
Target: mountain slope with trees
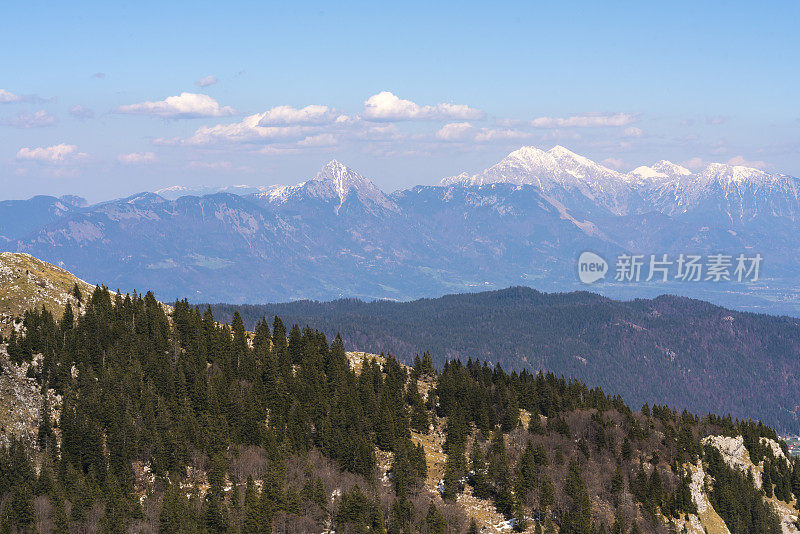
x=170 y=421
x=672 y=350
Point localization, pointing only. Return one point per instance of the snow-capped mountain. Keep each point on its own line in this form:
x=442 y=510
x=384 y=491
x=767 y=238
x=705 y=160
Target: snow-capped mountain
x=174 y=192
x=334 y=183
x=559 y=173
x=734 y=192
x=522 y=221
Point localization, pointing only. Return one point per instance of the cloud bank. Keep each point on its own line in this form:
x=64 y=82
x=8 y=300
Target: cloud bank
x=183 y=106
x=385 y=106
x=136 y=158
x=60 y=153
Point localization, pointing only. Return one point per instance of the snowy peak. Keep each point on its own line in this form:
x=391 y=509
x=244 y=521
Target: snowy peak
x=334 y=183
x=464 y=179
x=340 y=181
x=671 y=169
x=736 y=174
x=563 y=155
x=559 y=173
x=661 y=170
x=344 y=179
x=583 y=185
x=531 y=165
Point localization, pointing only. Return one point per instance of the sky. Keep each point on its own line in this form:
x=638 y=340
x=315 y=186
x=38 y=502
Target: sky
x=107 y=99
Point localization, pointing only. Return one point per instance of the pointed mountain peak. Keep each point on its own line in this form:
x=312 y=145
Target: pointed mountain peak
x=528 y=153
x=338 y=180
x=344 y=179
x=334 y=167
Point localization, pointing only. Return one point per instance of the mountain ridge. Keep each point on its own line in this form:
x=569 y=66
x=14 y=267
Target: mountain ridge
x=526 y=222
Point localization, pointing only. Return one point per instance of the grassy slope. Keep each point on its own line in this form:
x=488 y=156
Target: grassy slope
x=27 y=282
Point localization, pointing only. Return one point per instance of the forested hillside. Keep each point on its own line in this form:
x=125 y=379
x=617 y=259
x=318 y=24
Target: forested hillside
x=672 y=350
x=152 y=422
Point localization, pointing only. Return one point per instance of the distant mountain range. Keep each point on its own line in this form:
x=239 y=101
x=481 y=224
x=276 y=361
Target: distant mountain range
x=523 y=221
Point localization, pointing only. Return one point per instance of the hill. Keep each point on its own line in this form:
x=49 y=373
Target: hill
x=169 y=421
x=27 y=282
x=673 y=350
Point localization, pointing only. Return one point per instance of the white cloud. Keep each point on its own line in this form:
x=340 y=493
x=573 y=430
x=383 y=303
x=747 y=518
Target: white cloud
x=633 y=131
x=38 y=119
x=740 y=160
x=377 y=132
x=246 y=131
x=211 y=165
x=585 y=120
x=287 y=115
x=385 y=106
x=205 y=81
x=464 y=131
x=60 y=153
x=183 y=106
x=136 y=158
x=81 y=112
x=7 y=96
x=325 y=139
x=496 y=134
x=455 y=131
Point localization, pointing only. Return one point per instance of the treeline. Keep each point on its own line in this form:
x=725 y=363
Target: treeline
x=178 y=423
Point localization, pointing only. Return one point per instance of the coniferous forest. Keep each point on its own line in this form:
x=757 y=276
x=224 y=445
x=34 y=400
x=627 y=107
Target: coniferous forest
x=162 y=419
x=668 y=350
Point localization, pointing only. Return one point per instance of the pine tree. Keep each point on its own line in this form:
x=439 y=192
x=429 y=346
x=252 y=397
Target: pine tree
x=77 y=294
x=435 y=520
x=578 y=517
x=766 y=481
x=479 y=476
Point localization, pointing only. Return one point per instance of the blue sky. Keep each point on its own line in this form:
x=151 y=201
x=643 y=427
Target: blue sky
x=106 y=100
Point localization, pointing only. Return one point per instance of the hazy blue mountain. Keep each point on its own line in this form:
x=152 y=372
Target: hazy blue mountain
x=523 y=221
x=20 y=217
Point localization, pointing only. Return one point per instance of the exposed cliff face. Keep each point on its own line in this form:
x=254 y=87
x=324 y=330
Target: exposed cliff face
x=21 y=401
x=737 y=456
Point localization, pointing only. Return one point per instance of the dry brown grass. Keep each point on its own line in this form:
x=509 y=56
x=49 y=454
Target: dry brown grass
x=27 y=282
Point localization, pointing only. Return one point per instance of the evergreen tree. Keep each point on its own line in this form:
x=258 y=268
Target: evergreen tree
x=435 y=520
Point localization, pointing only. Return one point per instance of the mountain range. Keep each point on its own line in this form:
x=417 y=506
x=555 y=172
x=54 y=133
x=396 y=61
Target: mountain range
x=523 y=221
